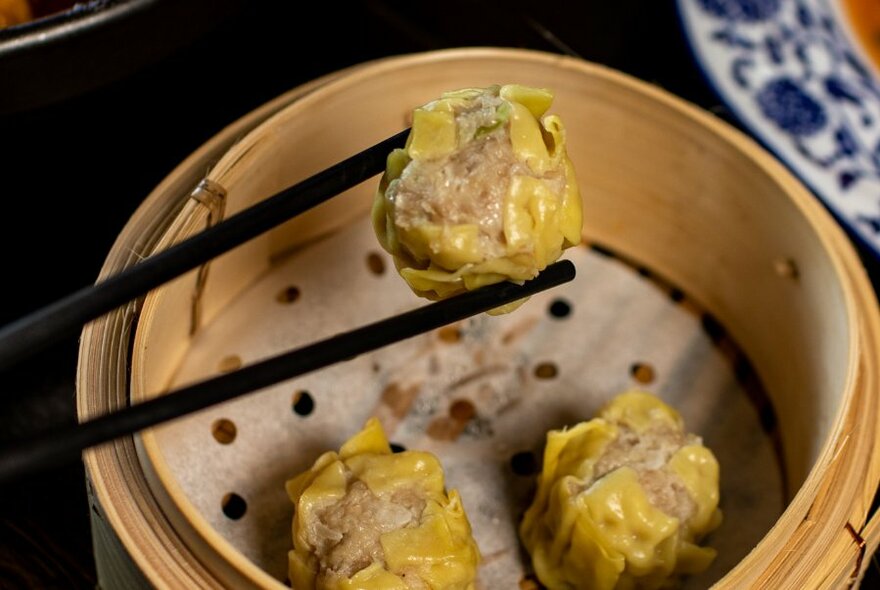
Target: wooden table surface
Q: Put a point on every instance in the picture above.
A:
(74, 172)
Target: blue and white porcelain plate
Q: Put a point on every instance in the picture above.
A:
(794, 74)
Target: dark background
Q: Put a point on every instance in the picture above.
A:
(74, 170)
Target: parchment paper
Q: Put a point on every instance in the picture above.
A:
(617, 318)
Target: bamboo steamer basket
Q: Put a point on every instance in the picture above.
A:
(670, 190)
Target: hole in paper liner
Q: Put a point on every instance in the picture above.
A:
(234, 506)
(642, 372)
(288, 294)
(449, 334)
(559, 308)
(375, 263)
(546, 370)
(524, 463)
(224, 431)
(303, 403)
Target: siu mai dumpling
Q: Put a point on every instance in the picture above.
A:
(483, 192)
(369, 519)
(623, 501)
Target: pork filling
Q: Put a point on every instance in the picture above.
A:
(468, 186)
(346, 534)
(647, 453)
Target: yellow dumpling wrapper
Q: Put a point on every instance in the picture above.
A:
(639, 410)
(698, 469)
(604, 533)
(432, 136)
(437, 546)
(435, 549)
(483, 192)
(373, 577)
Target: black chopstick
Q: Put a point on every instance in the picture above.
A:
(45, 326)
(53, 448)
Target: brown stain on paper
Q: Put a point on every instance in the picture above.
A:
(394, 404)
(449, 428)
(519, 330)
(399, 399)
(476, 375)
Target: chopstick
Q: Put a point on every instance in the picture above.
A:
(30, 334)
(53, 448)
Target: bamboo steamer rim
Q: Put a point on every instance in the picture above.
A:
(109, 468)
(863, 323)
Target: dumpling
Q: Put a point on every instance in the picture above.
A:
(623, 500)
(368, 519)
(483, 192)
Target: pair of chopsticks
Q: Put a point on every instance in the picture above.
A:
(36, 331)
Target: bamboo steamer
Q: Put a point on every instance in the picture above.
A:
(670, 190)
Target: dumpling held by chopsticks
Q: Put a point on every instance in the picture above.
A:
(483, 192)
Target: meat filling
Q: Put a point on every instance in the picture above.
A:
(346, 534)
(469, 186)
(647, 453)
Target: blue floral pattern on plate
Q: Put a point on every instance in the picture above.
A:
(794, 75)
